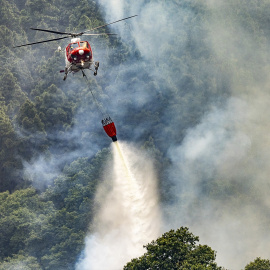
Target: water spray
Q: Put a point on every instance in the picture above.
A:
(128, 215)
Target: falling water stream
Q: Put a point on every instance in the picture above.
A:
(128, 215)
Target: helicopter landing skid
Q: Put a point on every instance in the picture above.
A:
(83, 74)
(96, 68)
(66, 73)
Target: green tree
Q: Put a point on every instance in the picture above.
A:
(258, 264)
(22, 217)
(29, 119)
(11, 92)
(20, 262)
(55, 109)
(175, 250)
(73, 196)
(9, 161)
(8, 14)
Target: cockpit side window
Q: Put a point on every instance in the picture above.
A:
(73, 46)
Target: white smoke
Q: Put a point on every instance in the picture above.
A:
(220, 170)
(220, 173)
(128, 215)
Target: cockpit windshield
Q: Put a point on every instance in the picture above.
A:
(84, 44)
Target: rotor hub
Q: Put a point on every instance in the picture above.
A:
(73, 40)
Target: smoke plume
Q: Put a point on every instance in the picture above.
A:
(210, 61)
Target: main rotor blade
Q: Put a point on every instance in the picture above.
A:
(100, 34)
(51, 31)
(48, 40)
(108, 24)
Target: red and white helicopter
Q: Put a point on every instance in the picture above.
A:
(79, 55)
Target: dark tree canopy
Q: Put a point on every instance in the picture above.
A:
(175, 250)
(258, 264)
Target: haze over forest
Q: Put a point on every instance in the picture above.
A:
(187, 85)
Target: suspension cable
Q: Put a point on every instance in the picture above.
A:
(101, 110)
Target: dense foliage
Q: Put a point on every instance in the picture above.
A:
(45, 214)
(51, 227)
(43, 230)
(175, 250)
(258, 263)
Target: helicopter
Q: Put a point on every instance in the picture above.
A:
(78, 54)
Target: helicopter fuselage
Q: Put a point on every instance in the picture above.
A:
(79, 56)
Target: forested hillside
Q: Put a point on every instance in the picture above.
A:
(41, 227)
(186, 81)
